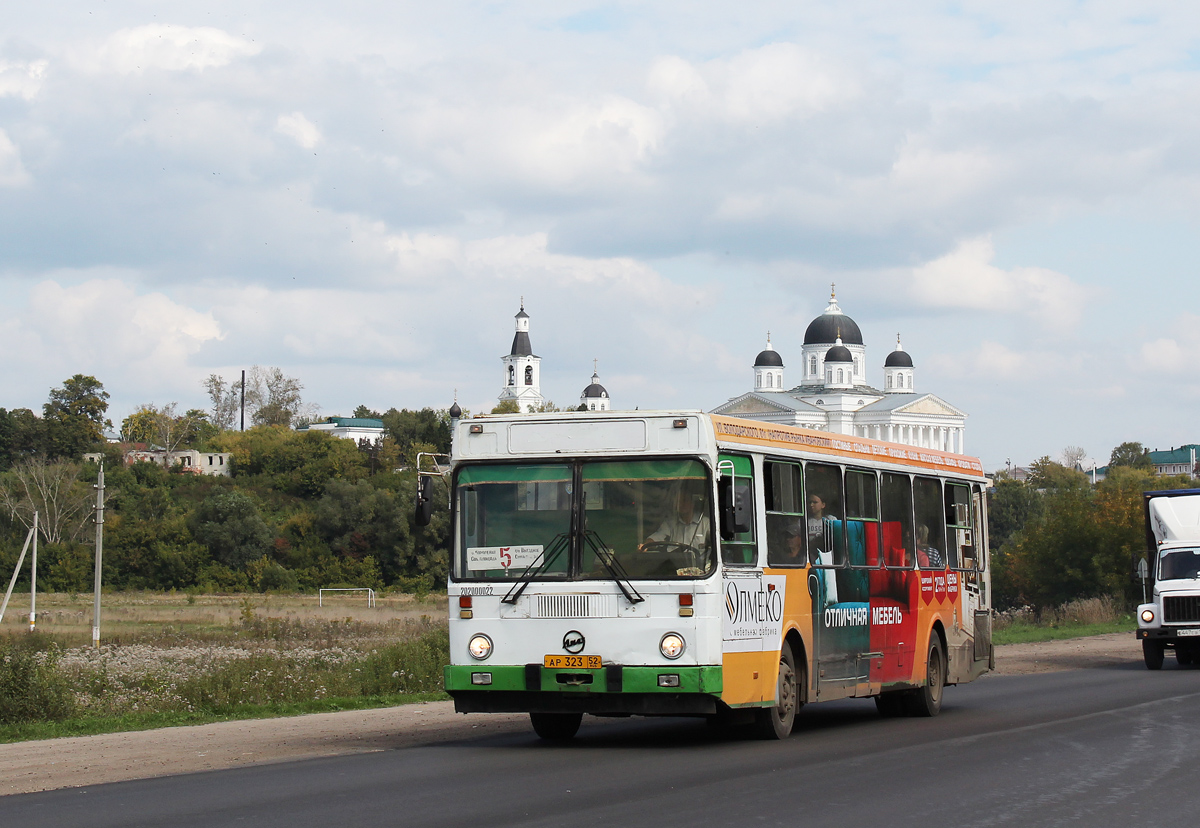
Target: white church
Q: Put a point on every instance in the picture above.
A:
(522, 375)
(833, 394)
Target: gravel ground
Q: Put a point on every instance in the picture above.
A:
(90, 760)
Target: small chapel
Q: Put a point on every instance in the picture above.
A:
(834, 395)
(522, 375)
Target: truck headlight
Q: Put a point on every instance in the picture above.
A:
(480, 647)
(1147, 616)
(671, 645)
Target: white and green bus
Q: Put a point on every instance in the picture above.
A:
(686, 564)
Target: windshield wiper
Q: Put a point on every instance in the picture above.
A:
(560, 542)
(606, 557)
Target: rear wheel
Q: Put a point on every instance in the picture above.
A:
(1152, 654)
(926, 701)
(556, 727)
(1184, 657)
(776, 722)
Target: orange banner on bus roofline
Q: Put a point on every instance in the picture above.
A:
(841, 445)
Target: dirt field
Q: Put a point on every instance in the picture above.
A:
(91, 760)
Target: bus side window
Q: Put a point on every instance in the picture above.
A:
(862, 519)
(741, 550)
(897, 510)
(961, 540)
(931, 523)
(786, 527)
(825, 516)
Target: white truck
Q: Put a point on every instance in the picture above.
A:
(1172, 618)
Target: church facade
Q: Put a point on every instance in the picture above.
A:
(833, 394)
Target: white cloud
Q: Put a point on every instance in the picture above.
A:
(12, 171)
(1178, 353)
(21, 79)
(301, 130)
(173, 48)
(965, 278)
(769, 83)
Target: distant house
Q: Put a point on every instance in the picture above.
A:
(1180, 460)
(349, 428)
(191, 460)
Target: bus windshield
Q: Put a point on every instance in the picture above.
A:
(638, 519)
(1179, 563)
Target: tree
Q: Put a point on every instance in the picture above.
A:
(226, 401)
(1131, 454)
(545, 407)
(1072, 456)
(162, 427)
(74, 416)
(424, 426)
(507, 407)
(1050, 476)
(52, 489)
(364, 413)
(274, 396)
(228, 523)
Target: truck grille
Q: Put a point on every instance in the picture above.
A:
(1181, 609)
(575, 606)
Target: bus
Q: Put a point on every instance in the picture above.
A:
(687, 564)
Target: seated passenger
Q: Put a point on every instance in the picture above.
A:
(928, 557)
(687, 525)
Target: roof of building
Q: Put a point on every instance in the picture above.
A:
(521, 346)
(1174, 456)
(595, 390)
(827, 327)
(768, 357)
(839, 353)
(347, 422)
(898, 359)
(455, 411)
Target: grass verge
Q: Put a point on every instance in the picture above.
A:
(1019, 633)
(95, 725)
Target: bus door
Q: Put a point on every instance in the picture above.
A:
(966, 527)
(841, 614)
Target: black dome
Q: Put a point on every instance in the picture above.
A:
(595, 390)
(455, 411)
(839, 353)
(898, 359)
(829, 326)
(769, 358)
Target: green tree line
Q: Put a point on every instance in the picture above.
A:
(1055, 537)
(301, 509)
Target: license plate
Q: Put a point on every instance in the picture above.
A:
(572, 662)
(1194, 631)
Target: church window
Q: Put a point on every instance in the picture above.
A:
(812, 365)
(841, 376)
(529, 375)
(889, 382)
(512, 375)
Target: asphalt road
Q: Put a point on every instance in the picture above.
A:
(1104, 747)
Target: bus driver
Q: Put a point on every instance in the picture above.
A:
(687, 525)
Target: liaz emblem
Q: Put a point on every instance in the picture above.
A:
(573, 642)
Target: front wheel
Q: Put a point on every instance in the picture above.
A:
(1152, 654)
(776, 722)
(556, 727)
(1184, 657)
(926, 701)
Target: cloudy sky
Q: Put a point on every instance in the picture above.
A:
(360, 193)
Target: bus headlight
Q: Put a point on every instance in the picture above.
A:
(1147, 616)
(671, 645)
(480, 647)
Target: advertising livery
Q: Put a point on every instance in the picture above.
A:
(679, 563)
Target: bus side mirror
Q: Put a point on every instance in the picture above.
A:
(424, 500)
(735, 508)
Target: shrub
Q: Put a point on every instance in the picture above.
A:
(31, 688)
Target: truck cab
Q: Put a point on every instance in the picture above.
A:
(1171, 619)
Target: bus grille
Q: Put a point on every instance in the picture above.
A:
(1181, 609)
(575, 606)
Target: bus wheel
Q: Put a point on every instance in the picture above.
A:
(1184, 657)
(926, 701)
(556, 727)
(890, 705)
(776, 722)
(1152, 654)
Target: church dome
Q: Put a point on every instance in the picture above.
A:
(830, 325)
(839, 353)
(898, 359)
(768, 358)
(455, 412)
(595, 390)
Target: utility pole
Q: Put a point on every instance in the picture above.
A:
(243, 400)
(99, 555)
(33, 578)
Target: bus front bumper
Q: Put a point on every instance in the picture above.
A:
(613, 689)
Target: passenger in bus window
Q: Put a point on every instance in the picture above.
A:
(794, 536)
(687, 525)
(820, 538)
(928, 556)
